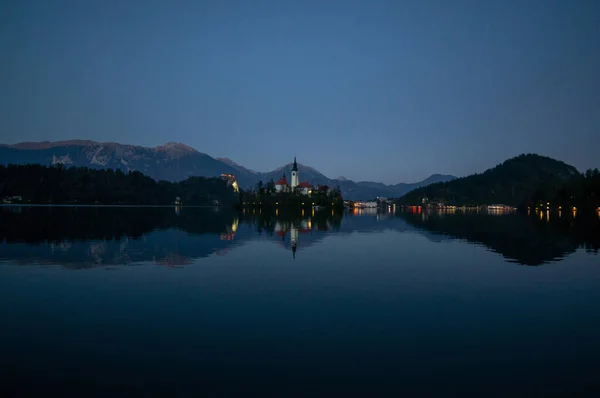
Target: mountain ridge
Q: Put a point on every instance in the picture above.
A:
(513, 182)
(175, 161)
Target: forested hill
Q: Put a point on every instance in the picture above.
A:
(82, 185)
(516, 181)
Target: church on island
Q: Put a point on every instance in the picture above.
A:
(282, 185)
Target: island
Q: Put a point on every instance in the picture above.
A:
(282, 194)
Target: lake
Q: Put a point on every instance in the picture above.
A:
(109, 301)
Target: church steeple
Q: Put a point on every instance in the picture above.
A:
(295, 175)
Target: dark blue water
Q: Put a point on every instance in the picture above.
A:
(147, 302)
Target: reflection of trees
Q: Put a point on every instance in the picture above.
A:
(55, 224)
(526, 240)
(85, 237)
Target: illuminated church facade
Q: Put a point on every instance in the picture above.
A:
(282, 185)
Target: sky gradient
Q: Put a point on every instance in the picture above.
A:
(388, 91)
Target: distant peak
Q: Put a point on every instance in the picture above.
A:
(342, 178)
(50, 144)
(172, 144)
(231, 163)
(300, 165)
(228, 161)
(175, 146)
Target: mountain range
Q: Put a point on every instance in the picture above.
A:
(175, 162)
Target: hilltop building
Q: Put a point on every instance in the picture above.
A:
(231, 181)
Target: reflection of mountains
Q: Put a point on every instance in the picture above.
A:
(84, 237)
(519, 238)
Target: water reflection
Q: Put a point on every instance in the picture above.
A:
(87, 237)
(527, 240)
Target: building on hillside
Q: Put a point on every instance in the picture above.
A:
(231, 181)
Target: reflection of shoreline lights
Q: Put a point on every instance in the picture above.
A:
(230, 235)
(496, 210)
(363, 211)
(227, 236)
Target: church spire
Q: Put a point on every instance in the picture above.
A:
(295, 175)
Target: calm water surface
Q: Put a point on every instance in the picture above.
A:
(208, 302)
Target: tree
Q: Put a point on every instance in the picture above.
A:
(41, 184)
(270, 186)
(259, 188)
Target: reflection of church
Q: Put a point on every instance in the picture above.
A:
(295, 229)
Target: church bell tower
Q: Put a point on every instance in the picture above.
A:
(295, 175)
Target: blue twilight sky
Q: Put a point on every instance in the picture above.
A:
(372, 90)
